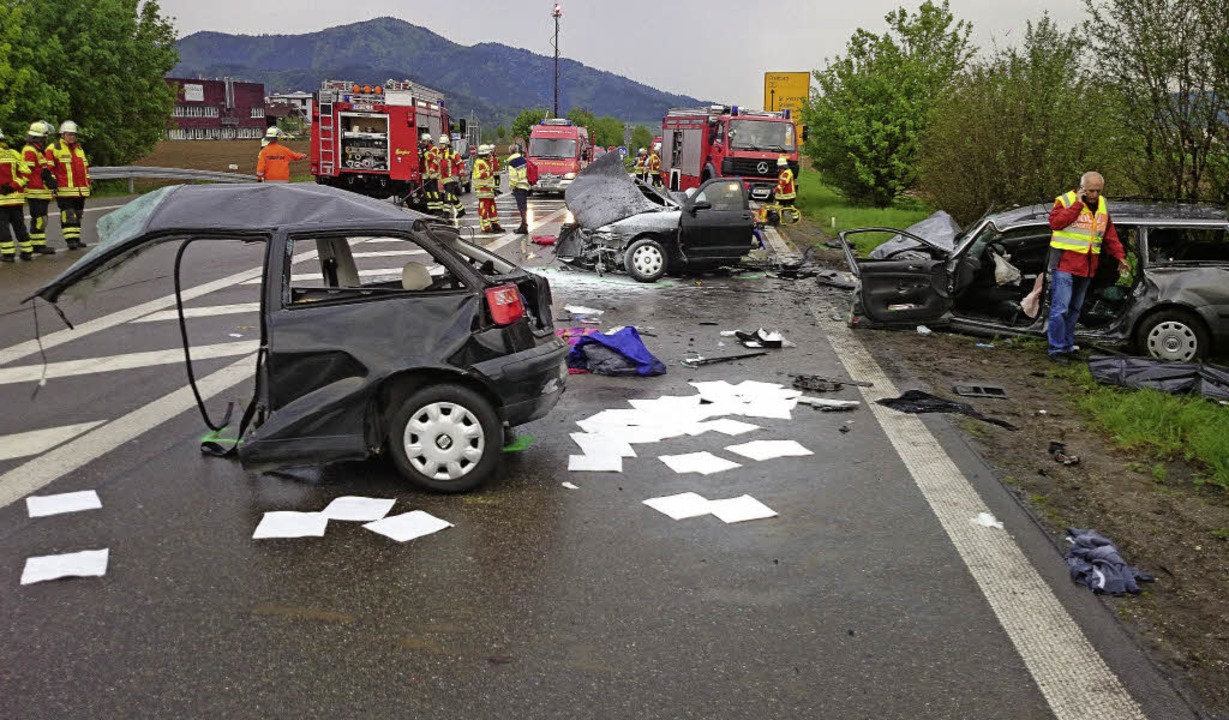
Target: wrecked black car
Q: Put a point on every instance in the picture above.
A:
(429, 363)
(1174, 305)
(620, 223)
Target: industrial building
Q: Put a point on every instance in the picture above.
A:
(225, 109)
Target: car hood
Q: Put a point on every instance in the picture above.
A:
(604, 193)
(217, 210)
(939, 229)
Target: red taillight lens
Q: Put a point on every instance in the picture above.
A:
(505, 304)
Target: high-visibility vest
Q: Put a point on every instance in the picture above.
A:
(1085, 234)
(654, 163)
(71, 169)
(518, 172)
(14, 173)
(38, 162)
(641, 166)
(785, 185)
(432, 156)
(484, 179)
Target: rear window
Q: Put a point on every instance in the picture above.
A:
(1170, 245)
(349, 268)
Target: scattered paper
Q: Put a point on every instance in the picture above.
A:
(987, 520)
(606, 462)
(769, 449)
(89, 563)
(726, 426)
(44, 505)
(740, 509)
(358, 509)
(290, 524)
(581, 310)
(235, 335)
(704, 463)
(600, 444)
(681, 506)
(826, 404)
(405, 527)
(570, 486)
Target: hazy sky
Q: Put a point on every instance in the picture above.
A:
(711, 49)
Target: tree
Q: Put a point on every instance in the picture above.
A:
(582, 118)
(525, 121)
(1168, 63)
(607, 131)
(100, 63)
(1004, 133)
(872, 104)
(642, 137)
(501, 132)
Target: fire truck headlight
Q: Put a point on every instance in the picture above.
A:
(570, 176)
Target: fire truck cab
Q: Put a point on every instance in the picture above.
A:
(560, 150)
(366, 139)
(699, 144)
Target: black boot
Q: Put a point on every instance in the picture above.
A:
(7, 258)
(522, 230)
(44, 250)
(27, 256)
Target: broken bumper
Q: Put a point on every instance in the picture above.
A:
(529, 383)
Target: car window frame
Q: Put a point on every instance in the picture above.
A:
(1145, 251)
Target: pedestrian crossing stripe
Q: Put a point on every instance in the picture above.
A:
(199, 312)
(35, 442)
(129, 361)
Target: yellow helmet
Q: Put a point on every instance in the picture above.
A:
(782, 161)
(37, 129)
(69, 127)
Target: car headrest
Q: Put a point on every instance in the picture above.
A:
(415, 276)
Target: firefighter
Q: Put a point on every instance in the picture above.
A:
(484, 186)
(786, 190)
(14, 175)
(496, 169)
(430, 174)
(518, 180)
(654, 166)
(71, 170)
(273, 165)
(641, 167)
(39, 190)
(455, 171)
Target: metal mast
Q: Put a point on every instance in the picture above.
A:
(557, 13)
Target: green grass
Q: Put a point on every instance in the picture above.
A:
(822, 205)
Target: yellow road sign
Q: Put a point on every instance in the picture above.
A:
(786, 90)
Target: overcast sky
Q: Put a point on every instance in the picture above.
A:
(711, 49)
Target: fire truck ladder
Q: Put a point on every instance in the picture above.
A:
(327, 139)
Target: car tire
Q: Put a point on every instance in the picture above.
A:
(645, 260)
(1177, 335)
(445, 438)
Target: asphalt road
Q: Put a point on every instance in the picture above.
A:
(860, 600)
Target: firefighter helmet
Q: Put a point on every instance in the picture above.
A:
(273, 133)
(782, 161)
(642, 151)
(443, 140)
(69, 127)
(484, 149)
(426, 137)
(37, 130)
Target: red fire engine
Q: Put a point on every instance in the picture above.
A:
(560, 150)
(366, 139)
(718, 141)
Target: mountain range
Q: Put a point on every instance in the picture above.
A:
(495, 81)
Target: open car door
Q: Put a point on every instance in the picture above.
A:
(717, 226)
(900, 290)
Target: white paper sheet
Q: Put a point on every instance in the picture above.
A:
(599, 444)
(88, 563)
(290, 524)
(606, 462)
(726, 426)
(769, 449)
(352, 508)
(681, 506)
(582, 310)
(414, 524)
(987, 520)
(704, 463)
(770, 408)
(44, 505)
(570, 486)
(740, 509)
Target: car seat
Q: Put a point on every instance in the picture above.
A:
(415, 276)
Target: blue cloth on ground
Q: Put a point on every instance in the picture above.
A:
(630, 356)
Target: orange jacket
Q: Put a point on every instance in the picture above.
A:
(71, 169)
(274, 162)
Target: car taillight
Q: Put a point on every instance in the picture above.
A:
(505, 303)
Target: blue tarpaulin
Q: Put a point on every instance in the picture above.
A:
(620, 353)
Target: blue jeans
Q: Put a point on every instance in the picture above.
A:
(1066, 299)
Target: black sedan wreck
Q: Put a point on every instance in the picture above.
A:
(1174, 305)
(430, 365)
(625, 224)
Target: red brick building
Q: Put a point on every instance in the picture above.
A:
(223, 109)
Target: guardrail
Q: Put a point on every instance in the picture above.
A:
(131, 172)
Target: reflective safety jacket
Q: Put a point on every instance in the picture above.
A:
(654, 166)
(458, 166)
(484, 178)
(35, 157)
(642, 164)
(71, 169)
(518, 172)
(274, 162)
(1080, 233)
(14, 173)
(431, 170)
(786, 188)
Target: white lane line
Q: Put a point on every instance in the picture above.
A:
(199, 312)
(38, 441)
(48, 467)
(129, 361)
(1072, 676)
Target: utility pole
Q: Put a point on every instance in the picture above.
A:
(557, 13)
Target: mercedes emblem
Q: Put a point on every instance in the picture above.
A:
(762, 168)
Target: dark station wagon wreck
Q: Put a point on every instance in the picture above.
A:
(430, 365)
(1174, 305)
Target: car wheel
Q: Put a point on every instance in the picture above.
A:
(445, 438)
(645, 260)
(1175, 335)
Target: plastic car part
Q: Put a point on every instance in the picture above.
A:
(980, 391)
(445, 438)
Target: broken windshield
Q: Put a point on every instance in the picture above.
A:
(558, 148)
(762, 135)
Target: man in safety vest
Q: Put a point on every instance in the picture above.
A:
(787, 189)
(71, 171)
(518, 179)
(14, 175)
(641, 168)
(654, 166)
(484, 187)
(1081, 225)
(273, 165)
(446, 164)
(430, 173)
(456, 169)
(41, 187)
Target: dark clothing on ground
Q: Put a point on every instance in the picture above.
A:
(1094, 561)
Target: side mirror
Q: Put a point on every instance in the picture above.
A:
(702, 205)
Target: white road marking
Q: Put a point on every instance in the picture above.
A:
(38, 441)
(1072, 676)
(129, 361)
(199, 312)
(48, 467)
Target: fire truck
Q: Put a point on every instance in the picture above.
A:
(365, 138)
(719, 141)
(560, 150)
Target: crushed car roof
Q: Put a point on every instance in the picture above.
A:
(604, 193)
(1134, 210)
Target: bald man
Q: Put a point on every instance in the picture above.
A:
(1082, 229)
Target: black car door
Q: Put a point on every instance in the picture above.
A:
(907, 289)
(717, 224)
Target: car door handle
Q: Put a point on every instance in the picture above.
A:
(746, 216)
